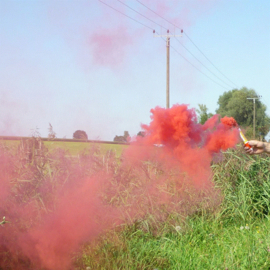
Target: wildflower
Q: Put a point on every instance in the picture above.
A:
(246, 227)
(178, 228)
(241, 228)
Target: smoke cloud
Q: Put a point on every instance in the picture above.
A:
(109, 46)
(55, 202)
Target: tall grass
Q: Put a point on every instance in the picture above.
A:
(227, 228)
(245, 181)
(236, 235)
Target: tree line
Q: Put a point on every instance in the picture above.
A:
(235, 103)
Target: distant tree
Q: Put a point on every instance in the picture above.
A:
(235, 103)
(52, 134)
(202, 113)
(141, 133)
(80, 134)
(122, 138)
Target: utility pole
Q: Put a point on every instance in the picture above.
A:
(254, 121)
(168, 37)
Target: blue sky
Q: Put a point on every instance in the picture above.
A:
(82, 65)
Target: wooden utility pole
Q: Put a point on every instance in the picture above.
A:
(254, 114)
(168, 74)
(168, 37)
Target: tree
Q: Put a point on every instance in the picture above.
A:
(235, 103)
(80, 134)
(141, 133)
(202, 113)
(122, 138)
(52, 134)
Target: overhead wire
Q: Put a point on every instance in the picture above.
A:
(198, 69)
(162, 38)
(202, 63)
(126, 15)
(209, 60)
(141, 14)
(180, 44)
(189, 40)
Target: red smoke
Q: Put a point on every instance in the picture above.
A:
(229, 121)
(53, 212)
(191, 144)
(80, 215)
(109, 46)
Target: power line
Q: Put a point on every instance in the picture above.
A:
(126, 15)
(209, 59)
(157, 14)
(189, 40)
(196, 67)
(162, 38)
(202, 63)
(168, 42)
(141, 14)
(199, 69)
(176, 39)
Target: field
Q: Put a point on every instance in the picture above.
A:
(73, 148)
(98, 205)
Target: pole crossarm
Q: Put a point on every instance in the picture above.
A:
(167, 35)
(255, 98)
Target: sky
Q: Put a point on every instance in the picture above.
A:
(96, 65)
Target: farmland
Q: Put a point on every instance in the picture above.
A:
(74, 147)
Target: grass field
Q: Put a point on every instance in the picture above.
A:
(74, 148)
(198, 243)
(228, 228)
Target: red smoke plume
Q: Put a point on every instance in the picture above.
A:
(191, 144)
(80, 215)
(110, 46)
(229, 121)
(53, 212)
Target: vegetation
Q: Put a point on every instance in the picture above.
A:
(73, 148)
(235, 103)
(228, 228)
(122, 138)
(203, 114)
(52, 134)
(141, 133)
(80, 134)
(234, 236)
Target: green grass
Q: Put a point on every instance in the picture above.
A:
(234, 236)
(199, 244)
(74, 148)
